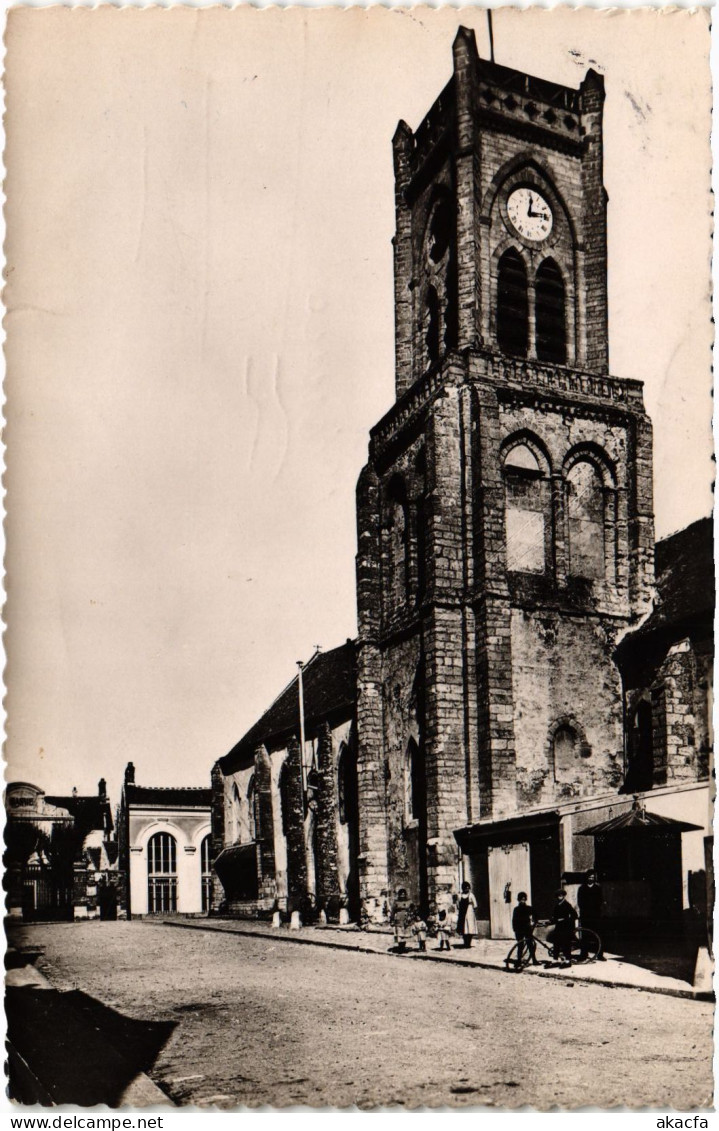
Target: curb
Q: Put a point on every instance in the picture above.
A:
(418, 956)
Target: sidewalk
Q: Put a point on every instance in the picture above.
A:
(486, 954)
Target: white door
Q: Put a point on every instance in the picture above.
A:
(508, 874)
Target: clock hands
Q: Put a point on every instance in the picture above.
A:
(535, 215)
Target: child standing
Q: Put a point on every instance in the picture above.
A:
(444, 928)
(419, 929)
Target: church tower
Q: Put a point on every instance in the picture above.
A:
(505, 528)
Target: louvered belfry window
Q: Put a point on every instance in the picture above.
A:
(512, 304)
(550, 314)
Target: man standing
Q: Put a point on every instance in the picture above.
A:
(589, 902)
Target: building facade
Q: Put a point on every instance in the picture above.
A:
(60, 855)
(285, 819)
(519, 676)
(164, 849)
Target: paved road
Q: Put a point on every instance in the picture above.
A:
(249, 1021)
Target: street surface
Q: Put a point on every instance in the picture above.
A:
(253, 1021)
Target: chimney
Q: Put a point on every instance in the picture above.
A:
(102, 789)
(130, 774)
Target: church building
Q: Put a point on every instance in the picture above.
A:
(505, 519)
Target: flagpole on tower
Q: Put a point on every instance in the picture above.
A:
(491, 34)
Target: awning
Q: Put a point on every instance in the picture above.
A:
(509, 827)
(639, 821)
(235, 860)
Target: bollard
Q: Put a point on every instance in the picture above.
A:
(295, 921)
(703, 974)
(344, 916)
(275, 918)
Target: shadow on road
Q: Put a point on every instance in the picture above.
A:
(65, 1048)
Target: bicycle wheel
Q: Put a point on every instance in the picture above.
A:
(586, 945)
(518, 957)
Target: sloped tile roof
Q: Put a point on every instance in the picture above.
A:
(329, 684)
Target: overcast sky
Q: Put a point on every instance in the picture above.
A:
(200, 337)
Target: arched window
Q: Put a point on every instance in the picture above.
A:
(285, 799)
(640, 752)
(421, 523)
(512, 304)
(551, 332)
(347, 785)
(414, 783)
(440, 228)
(527, 501)
(397, 589)
(161, 873)
(432, 325)
(585, 514)
(206, 869)
(252, 808)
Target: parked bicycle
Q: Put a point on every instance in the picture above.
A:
(584, 941)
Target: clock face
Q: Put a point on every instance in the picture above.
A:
(530, 214)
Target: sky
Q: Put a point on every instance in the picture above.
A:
(200, 336)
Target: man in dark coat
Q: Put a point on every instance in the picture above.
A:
(523, 923)
(589, 902)
(564, 917)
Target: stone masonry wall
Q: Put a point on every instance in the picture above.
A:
(555, 660)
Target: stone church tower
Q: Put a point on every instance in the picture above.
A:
(505, 513)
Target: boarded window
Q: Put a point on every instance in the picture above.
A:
(527, 499)
(585, 509)
(551, 330)
(512, 304)
(566, 754)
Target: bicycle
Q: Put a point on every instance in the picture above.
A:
(583, 939)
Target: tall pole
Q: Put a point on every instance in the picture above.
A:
(302, 725)
(491, 34)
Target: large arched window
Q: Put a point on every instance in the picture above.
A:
(512, 304)
(551, 330)
(527, 514)
(161, 873)
(585, 514)
(347, 785)
(206, 869)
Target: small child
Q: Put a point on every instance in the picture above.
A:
(419, 929)
(523, 924)
(444, 928)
